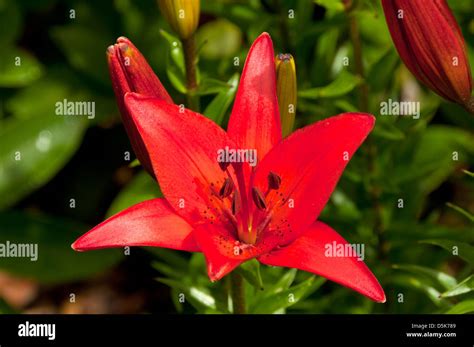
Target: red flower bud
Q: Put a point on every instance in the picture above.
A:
(431, 45)
(130, 72)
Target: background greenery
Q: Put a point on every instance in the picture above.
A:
(410, 249)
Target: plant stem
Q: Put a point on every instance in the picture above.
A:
(359, 63)
(190, 59)
(283, 26)
(375, 191)
(237, 291)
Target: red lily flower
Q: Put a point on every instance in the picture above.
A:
(231, 211)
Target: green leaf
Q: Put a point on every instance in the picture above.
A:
(84, 48)
(171, 257)
(342, 85)
(433, 160)
(469, 173)
(39, 98)
(175, 68)
(217, 109)
(465, 286)
(56, 261)
(289, 297)
(219, 39)
(198, 297)
(445, 280)
(134, 163)
(462, 211)
(212, 86)
(32, 151)
(141, 188)
(461, 249)
(345, 206)
(401, 231)
(382, 72)
(250, 270)
(18, 68)
(462, 308)
(420, 284)
(283, 283)
(333, 6)
(169, 270)
(389, 131)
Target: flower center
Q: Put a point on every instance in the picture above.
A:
(249, 212)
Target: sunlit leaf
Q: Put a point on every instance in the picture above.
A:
(463, 287)
(462, 211)
(198, 297)
(217, 109)
(462, 308)
(461, 249)
(342, 85)
(250, 270)
(442, 278)
(33, 150)
(18, 68)
(288, 297)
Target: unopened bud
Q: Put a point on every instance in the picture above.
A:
(286, 91)
(182, 16)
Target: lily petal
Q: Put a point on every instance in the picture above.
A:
(308, 253)
(310, 163)
(183, 147)
(218, 244)
(255, 119)
(150, 223)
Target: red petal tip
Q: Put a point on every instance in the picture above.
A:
(76, 245)
(123, 39)
(110, 51)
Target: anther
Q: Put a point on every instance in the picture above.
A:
(224, 165)
(258, 199)
(227, 188)
(274, 181)
(236, 203)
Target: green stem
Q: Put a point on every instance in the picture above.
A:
(190, 59)
(283, 27)
(359, 63)
(237, 291)
(375, 191)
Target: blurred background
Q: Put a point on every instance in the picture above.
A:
(405, 195)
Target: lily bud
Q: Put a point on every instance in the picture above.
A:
(286, 91)
(182, 16)
(130, 72)
(431, 45)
